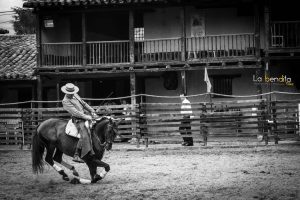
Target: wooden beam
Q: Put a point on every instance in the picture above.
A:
(133, 87)
(183, 32)
(83, 30)
(39, 90)
(183, 83)
(57, 91)
(131, 35)
(38, 41)
(133, 102)
(257, 30)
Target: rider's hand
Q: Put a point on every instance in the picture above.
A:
(89, 118)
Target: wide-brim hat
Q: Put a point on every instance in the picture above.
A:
(69, 88)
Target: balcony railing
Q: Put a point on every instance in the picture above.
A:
(158, 50)
(107, 52)
(62, 54)
(214, 46)
(147, 51)
(285, 34)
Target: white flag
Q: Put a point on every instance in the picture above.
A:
(206, 79)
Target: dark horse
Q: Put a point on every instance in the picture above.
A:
(51, 135)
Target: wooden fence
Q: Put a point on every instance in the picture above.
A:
(233, 119)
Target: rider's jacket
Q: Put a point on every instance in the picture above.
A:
(77, 107)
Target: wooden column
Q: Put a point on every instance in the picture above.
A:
(183, 32)
(83, 30)
(267, 29)
(183, 83)
(38, 41)
(133, 102)
(257, 30)
(39, 90)
(57, 91)
(131, 36)
(133, 87)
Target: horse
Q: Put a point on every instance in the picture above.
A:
(50, 135)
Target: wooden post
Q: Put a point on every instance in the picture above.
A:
(183, 83)
(257, 30)
(57, 92)
(133, 102)
(131, 36)
(38, 41)
(274, 119)
(183, 33)
(39, 96)
(83, 30)
(267, 29)
(39, 90)
(204, 128)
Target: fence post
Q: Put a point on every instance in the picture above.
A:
(274, 116)
(266, 124)
(203, 128)
(143, 121)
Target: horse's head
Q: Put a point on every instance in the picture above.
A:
(106, 129)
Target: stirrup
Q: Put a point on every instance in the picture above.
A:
(76, 158)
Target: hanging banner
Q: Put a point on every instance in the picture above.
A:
(197, 25)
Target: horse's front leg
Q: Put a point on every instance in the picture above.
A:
(93, 171)
(104, 165)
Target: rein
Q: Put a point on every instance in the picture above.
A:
(97, 138)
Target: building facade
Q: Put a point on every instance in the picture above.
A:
(161, 47)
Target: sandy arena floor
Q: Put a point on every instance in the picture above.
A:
(165, 172)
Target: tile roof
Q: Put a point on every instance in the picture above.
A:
(17, 57)
(51, 3)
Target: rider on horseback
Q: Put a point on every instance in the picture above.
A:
(79, 109)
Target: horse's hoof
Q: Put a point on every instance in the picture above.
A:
(75, 181)
(96, 178)
(65, 178)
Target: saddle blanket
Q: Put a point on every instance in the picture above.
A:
(71, 129)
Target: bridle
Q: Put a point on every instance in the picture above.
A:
(109, 126)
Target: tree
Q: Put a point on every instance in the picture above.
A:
(24, 21)
(3, 31)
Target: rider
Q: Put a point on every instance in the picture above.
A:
(80, 112)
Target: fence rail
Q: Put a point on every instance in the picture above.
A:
(235, 119)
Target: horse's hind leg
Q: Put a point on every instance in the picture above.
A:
(58, 158)
(49, 159)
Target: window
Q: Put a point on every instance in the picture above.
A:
(139, 34)
(222, 84)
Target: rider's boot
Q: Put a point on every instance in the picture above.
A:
(76, 157)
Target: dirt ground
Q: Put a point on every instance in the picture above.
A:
(218, 172)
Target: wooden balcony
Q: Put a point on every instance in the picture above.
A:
(220, 46)
(179, 50)
(285, 34)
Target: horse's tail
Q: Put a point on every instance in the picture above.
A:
(37, 152)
